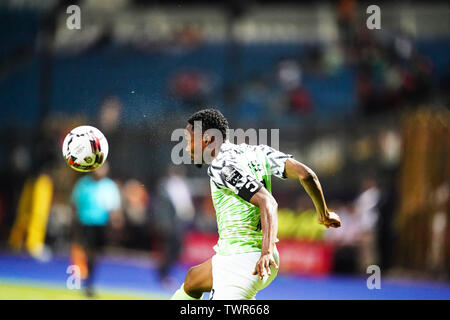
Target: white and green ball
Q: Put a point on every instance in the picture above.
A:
(85, 149)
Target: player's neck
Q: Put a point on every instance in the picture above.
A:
(218, 149)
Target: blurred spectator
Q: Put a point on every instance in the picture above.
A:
(368, 99)
(110, 113)
(366, 208)
(187, 36)
(179, 194)
(346, 14)
(59, 226)
(386, 240)
(421, 69)
(33, 208)
(206, 219)
(174, 213)
(96, 198)
(437, 256)
(290, 80)
(32, 215)
(192, 88)
(300, 100)
(109, 121)
(289, 74)
(135, 205)
(347, 240)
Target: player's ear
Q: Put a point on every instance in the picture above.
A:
(207, 139)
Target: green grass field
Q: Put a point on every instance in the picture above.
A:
(10, 290)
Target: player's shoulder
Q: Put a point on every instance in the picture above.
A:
(244, 148)
(265, 149)
(231, 153)
(260, 151)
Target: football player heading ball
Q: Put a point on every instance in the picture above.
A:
(246, 258)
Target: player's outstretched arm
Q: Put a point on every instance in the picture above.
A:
(311, 184)
(268, 208)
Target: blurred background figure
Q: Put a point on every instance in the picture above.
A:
(366, 209)
(109, 117)
(32, 214)
(34, 205)
(136, 203)
(347, 241)
(96, 199)
(174, 214)
(191, 88)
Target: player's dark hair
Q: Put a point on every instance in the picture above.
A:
(211, 119)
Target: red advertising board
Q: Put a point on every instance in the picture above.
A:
(305, 257)
(296, 257)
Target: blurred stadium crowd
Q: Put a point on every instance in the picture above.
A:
(367, 110)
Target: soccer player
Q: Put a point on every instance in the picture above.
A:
(246, 258)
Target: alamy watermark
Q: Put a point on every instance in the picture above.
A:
(374, 20)
(73, 22)
(374, 280)
(179, 155)
(73, 281)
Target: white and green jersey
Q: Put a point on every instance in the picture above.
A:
(237, 173)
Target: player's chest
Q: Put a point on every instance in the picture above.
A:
(255, 167)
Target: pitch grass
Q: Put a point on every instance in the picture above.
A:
(37, 291)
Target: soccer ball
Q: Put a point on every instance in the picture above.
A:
(85, 148)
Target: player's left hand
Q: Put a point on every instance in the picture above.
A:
(263, 265)
(331, 220)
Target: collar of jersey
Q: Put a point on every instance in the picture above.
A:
(226, 145)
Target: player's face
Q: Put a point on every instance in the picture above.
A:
(189, 136)
(194, 144)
